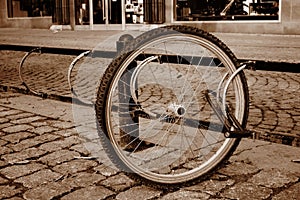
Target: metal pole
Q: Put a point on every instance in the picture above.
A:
(91, 10)
(123, 14)
(72, 14)
(129, 123)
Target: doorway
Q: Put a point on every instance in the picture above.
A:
(90, 12)
(115, 12)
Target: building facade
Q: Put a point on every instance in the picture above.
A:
(239, 16)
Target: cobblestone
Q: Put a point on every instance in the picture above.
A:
(35, 141)
(245, 191)
(80, 149)
(5, 150)
(16, 171)
(183, 194)
(3, 180)
(74, 166)
(292, 193)
(43, 129)
(26, 120)
(16, 138)
(8, 191)
(139, 192)
(106, 170)
(47, 191)
(58, 157)
(234, 169)
(38, 178)
(84, 179)
(92, 192)
(2, 142)
(9, 112)
(18, 116)
(118, 182)
(211, 187)
(273, 179)
(17, 128)
(5, 125)
(26, 154)
(60, 144)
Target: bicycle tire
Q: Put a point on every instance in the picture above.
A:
(173, 114)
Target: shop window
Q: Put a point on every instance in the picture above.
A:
(154, 11)
(134, 10)
(149, 11)
(61, 12)
(29, 8)
(82, 12)
(98, 11)
(207, 10)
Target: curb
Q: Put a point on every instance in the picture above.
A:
(260, 64)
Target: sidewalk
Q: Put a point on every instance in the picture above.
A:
(275, 48)
(44, 155)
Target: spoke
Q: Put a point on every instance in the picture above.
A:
(169, 67)
(185, 81)
(191, 150)
(166, 134)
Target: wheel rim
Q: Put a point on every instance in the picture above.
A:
(209, 146)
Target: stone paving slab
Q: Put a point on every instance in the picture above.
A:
(30, 168)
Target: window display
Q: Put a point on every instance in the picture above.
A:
(101, 12)
(155, 11)
(30, 8)
(205, 10)
(134, 10)
(82, 12)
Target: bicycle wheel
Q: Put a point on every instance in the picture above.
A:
(152, 105)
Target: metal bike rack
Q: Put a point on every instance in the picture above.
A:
(223, 112)
(72, 65)
(133, 80)
(41, 94)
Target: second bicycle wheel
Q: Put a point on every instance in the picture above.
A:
(152, 106)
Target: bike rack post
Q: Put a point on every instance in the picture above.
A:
(129, 122)
(123, 41)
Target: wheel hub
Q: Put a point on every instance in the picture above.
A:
(177, 110)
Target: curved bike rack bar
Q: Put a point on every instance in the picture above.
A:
(72, 65)
(230, 79)
(38, 49)
(226, 116)
(136, 73)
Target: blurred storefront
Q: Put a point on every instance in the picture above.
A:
(97, 14)
(240, 16)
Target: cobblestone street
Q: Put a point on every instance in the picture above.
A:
(48, 151)
(43, 157)
(274, 108)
